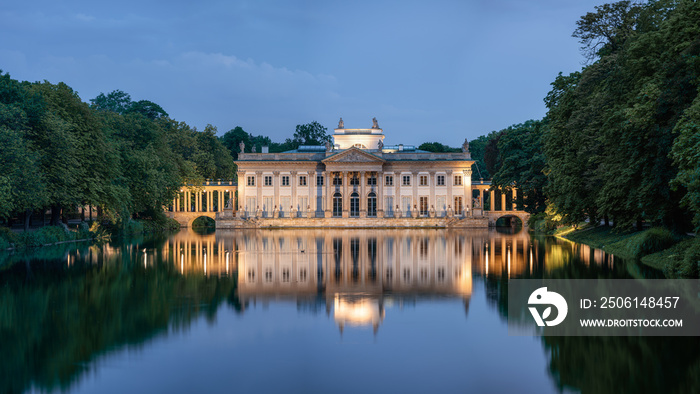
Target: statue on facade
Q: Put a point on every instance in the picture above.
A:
(252, 149)
(398, 211)
(450, 212)
(241, 146)
(328, 146)
(375, 125)
(258, 212)
(414, 212)
(465, 146)
(293, 211)
(341, 124)
(308, 211)
(432, 211)
(380, 145)
(229, 204)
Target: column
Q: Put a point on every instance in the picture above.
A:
(503, 201)
(311, 175)
(515, 195)
(175, 204)
(432, 181)
(329, 194)
(468, 191)
(397, 190)
(450, 183)
(363, 197)
(346, 202)
(276, 184)
(258, 194)
(380, 195)
(492, 200)
(293, 179)
(242, 183)
(414, 198)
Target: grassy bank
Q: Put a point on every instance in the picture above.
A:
(677, 257)
(52, 235)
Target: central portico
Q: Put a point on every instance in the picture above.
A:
(359, 177)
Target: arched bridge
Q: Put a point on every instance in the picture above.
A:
(211, 199)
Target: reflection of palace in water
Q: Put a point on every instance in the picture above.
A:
(354, 272)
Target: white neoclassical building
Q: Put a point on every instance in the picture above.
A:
(358, 176)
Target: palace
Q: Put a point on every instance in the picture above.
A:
(357, 176)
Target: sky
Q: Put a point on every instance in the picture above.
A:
(427, 70)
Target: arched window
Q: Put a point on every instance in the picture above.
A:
(372, 205)
(354, 205)
(337, 205)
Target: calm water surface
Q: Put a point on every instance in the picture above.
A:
(312, 311)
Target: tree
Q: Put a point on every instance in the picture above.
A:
(115, 101)
(522, 164)
(606, 30)
(232, 139)
(310, 134)
(437, 147)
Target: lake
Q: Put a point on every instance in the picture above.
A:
(317, 310)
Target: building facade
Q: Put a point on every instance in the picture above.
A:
(357, 176)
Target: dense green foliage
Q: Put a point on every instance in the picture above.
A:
(613, 126)
(515, 156)
(126, 158)
(621, 139)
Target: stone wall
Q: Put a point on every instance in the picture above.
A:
(227, 222)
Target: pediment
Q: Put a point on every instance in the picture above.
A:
(353, 155)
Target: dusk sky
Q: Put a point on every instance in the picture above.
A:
(428, 71)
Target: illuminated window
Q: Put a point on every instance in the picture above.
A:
(423, 205)
(458, 180)
(423, 180)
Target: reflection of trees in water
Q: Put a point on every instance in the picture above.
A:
(603, 364)
(625, 364)
(55, 320)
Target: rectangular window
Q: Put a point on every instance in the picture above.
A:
(458, 205)
(389, 180)
(441, 180)
(372, 181)
(423, 205)
(251, 180)
(337, 181)
(285, 180)
(354, 180)
(406, 180)
(268, 180)
(406, 205)
(389, 206)
(319, 180)
(302, 180)
(423, 180)
(458, 180)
